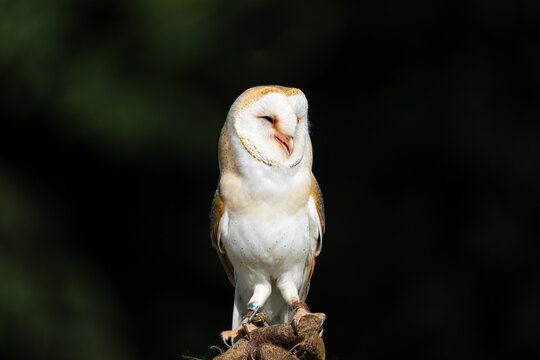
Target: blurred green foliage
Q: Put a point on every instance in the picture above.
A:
(102, 66)
(425, 129)
(50, 304)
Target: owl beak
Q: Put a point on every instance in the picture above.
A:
(286, 142)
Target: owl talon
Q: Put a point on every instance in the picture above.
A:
(225, 342)
(294, 325)
(232, 335)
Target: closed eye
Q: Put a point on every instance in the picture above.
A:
(267, 118)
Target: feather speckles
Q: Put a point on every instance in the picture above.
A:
(256, 93)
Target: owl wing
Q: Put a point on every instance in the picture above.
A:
(218, 225)
(316, 214)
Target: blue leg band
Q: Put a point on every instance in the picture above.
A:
(256, 309)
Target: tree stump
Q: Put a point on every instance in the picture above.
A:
(281, 342)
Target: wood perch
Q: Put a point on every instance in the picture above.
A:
(281, 342)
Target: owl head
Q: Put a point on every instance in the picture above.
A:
(271, 124)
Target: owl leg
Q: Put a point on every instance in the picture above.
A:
(254, 318)
(300, 308)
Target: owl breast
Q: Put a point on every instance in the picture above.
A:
(271, 245)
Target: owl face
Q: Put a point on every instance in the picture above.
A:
(271, 123)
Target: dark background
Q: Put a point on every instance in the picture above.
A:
(425, 127)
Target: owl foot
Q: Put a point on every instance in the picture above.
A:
(231, 334)
(301, 310)
(254, 319)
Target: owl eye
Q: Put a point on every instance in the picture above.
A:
(267, 118)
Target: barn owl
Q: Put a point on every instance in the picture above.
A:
(267, 217)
